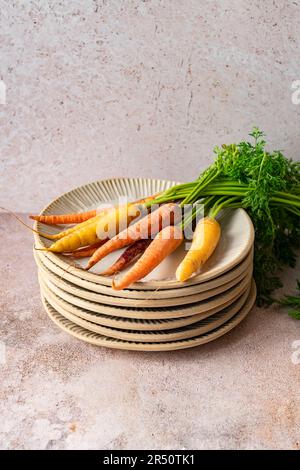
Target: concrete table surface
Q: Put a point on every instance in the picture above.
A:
(99, 89)
(241, 391)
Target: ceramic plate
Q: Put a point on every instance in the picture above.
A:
(138, 303)
(150, 312)
(43, 261)
(201, 327)
(101, 340)
(236, 240)
(131, 323)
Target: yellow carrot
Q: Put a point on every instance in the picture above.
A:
(116, 220)
(96, 230)
(205, 240)
(94, 220)
(165, 242)
(64, 233)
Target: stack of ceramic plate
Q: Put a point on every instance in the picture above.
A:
(157, 313)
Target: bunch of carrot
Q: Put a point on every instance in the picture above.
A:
(88, 238)
(244, 175)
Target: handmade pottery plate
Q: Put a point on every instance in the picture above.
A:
(116, 343)
(189, 331)
(43, 262)
(138, 324)
(148, 301)
(203, 304)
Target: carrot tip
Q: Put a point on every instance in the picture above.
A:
(107, 272)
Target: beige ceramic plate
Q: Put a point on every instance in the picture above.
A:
(236, 240)
(101, 340)
(131, 323)
(137, 303)
(201, 327)
(43, 261)
(150, 313)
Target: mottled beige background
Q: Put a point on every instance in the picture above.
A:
(98, 89)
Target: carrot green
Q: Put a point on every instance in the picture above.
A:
(267, 185)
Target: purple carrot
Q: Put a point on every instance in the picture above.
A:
(131, 254)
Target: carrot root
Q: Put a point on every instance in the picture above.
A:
(131, 254)
(85, 252)
(205, 240)
(98, 229)
(142, 229)
(64, 219)
(165, 242)
(44, 235)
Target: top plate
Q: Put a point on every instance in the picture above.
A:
(236, 239)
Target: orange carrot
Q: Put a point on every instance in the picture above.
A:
(75, 228)
(142, 229)
(78, 254)
(131, 254)
(85, 252)
(89, 233)
(163, 244)
(64, 219)
(93, 220)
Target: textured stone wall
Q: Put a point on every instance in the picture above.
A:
(98, 89)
